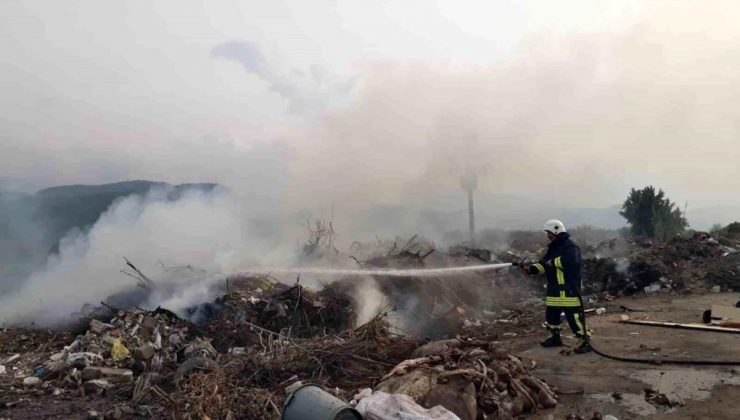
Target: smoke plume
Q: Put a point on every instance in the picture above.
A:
(204, 230)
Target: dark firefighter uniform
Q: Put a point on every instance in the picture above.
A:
(562, 267)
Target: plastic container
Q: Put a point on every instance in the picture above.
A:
(310, 402)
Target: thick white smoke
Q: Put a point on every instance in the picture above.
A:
(370, 300)
(205, 230)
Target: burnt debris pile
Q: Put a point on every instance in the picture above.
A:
(260, 335)
(264, 337)
(691, 263)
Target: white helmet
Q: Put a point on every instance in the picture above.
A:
(554, 226)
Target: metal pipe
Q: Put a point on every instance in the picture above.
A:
(471, 218)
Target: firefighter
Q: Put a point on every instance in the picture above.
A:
(562, 267)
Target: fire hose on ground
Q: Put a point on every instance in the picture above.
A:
(658, 361)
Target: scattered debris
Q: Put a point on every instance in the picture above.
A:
(659, 398)
(31, 381)
(652, 288)
(12, 359)
(626, 309)
(722, 316)
(648, 348)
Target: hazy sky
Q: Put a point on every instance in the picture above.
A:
(376, 101)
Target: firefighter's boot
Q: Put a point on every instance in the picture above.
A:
(583, 347)
(554, 340)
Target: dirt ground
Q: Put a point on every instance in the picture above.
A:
(50, 407)
(708, 392)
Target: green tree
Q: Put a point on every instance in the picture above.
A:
(651, 214)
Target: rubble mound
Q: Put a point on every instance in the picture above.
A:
(726, 273)
(276, 307)
(263, 337)
(695, 262)
(729, 235)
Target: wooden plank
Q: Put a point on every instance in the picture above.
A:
(726, 313)
(698, 327)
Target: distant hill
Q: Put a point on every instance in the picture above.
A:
(31, 225)
(63, 208)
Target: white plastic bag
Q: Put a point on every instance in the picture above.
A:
(383, 406)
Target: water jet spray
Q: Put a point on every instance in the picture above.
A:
(416, 272)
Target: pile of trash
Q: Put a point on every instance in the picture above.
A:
(455, 379)
(263, 301)
(725, 274)
(248, 382)
(115, 356)
(698, 262)
(261, 337)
